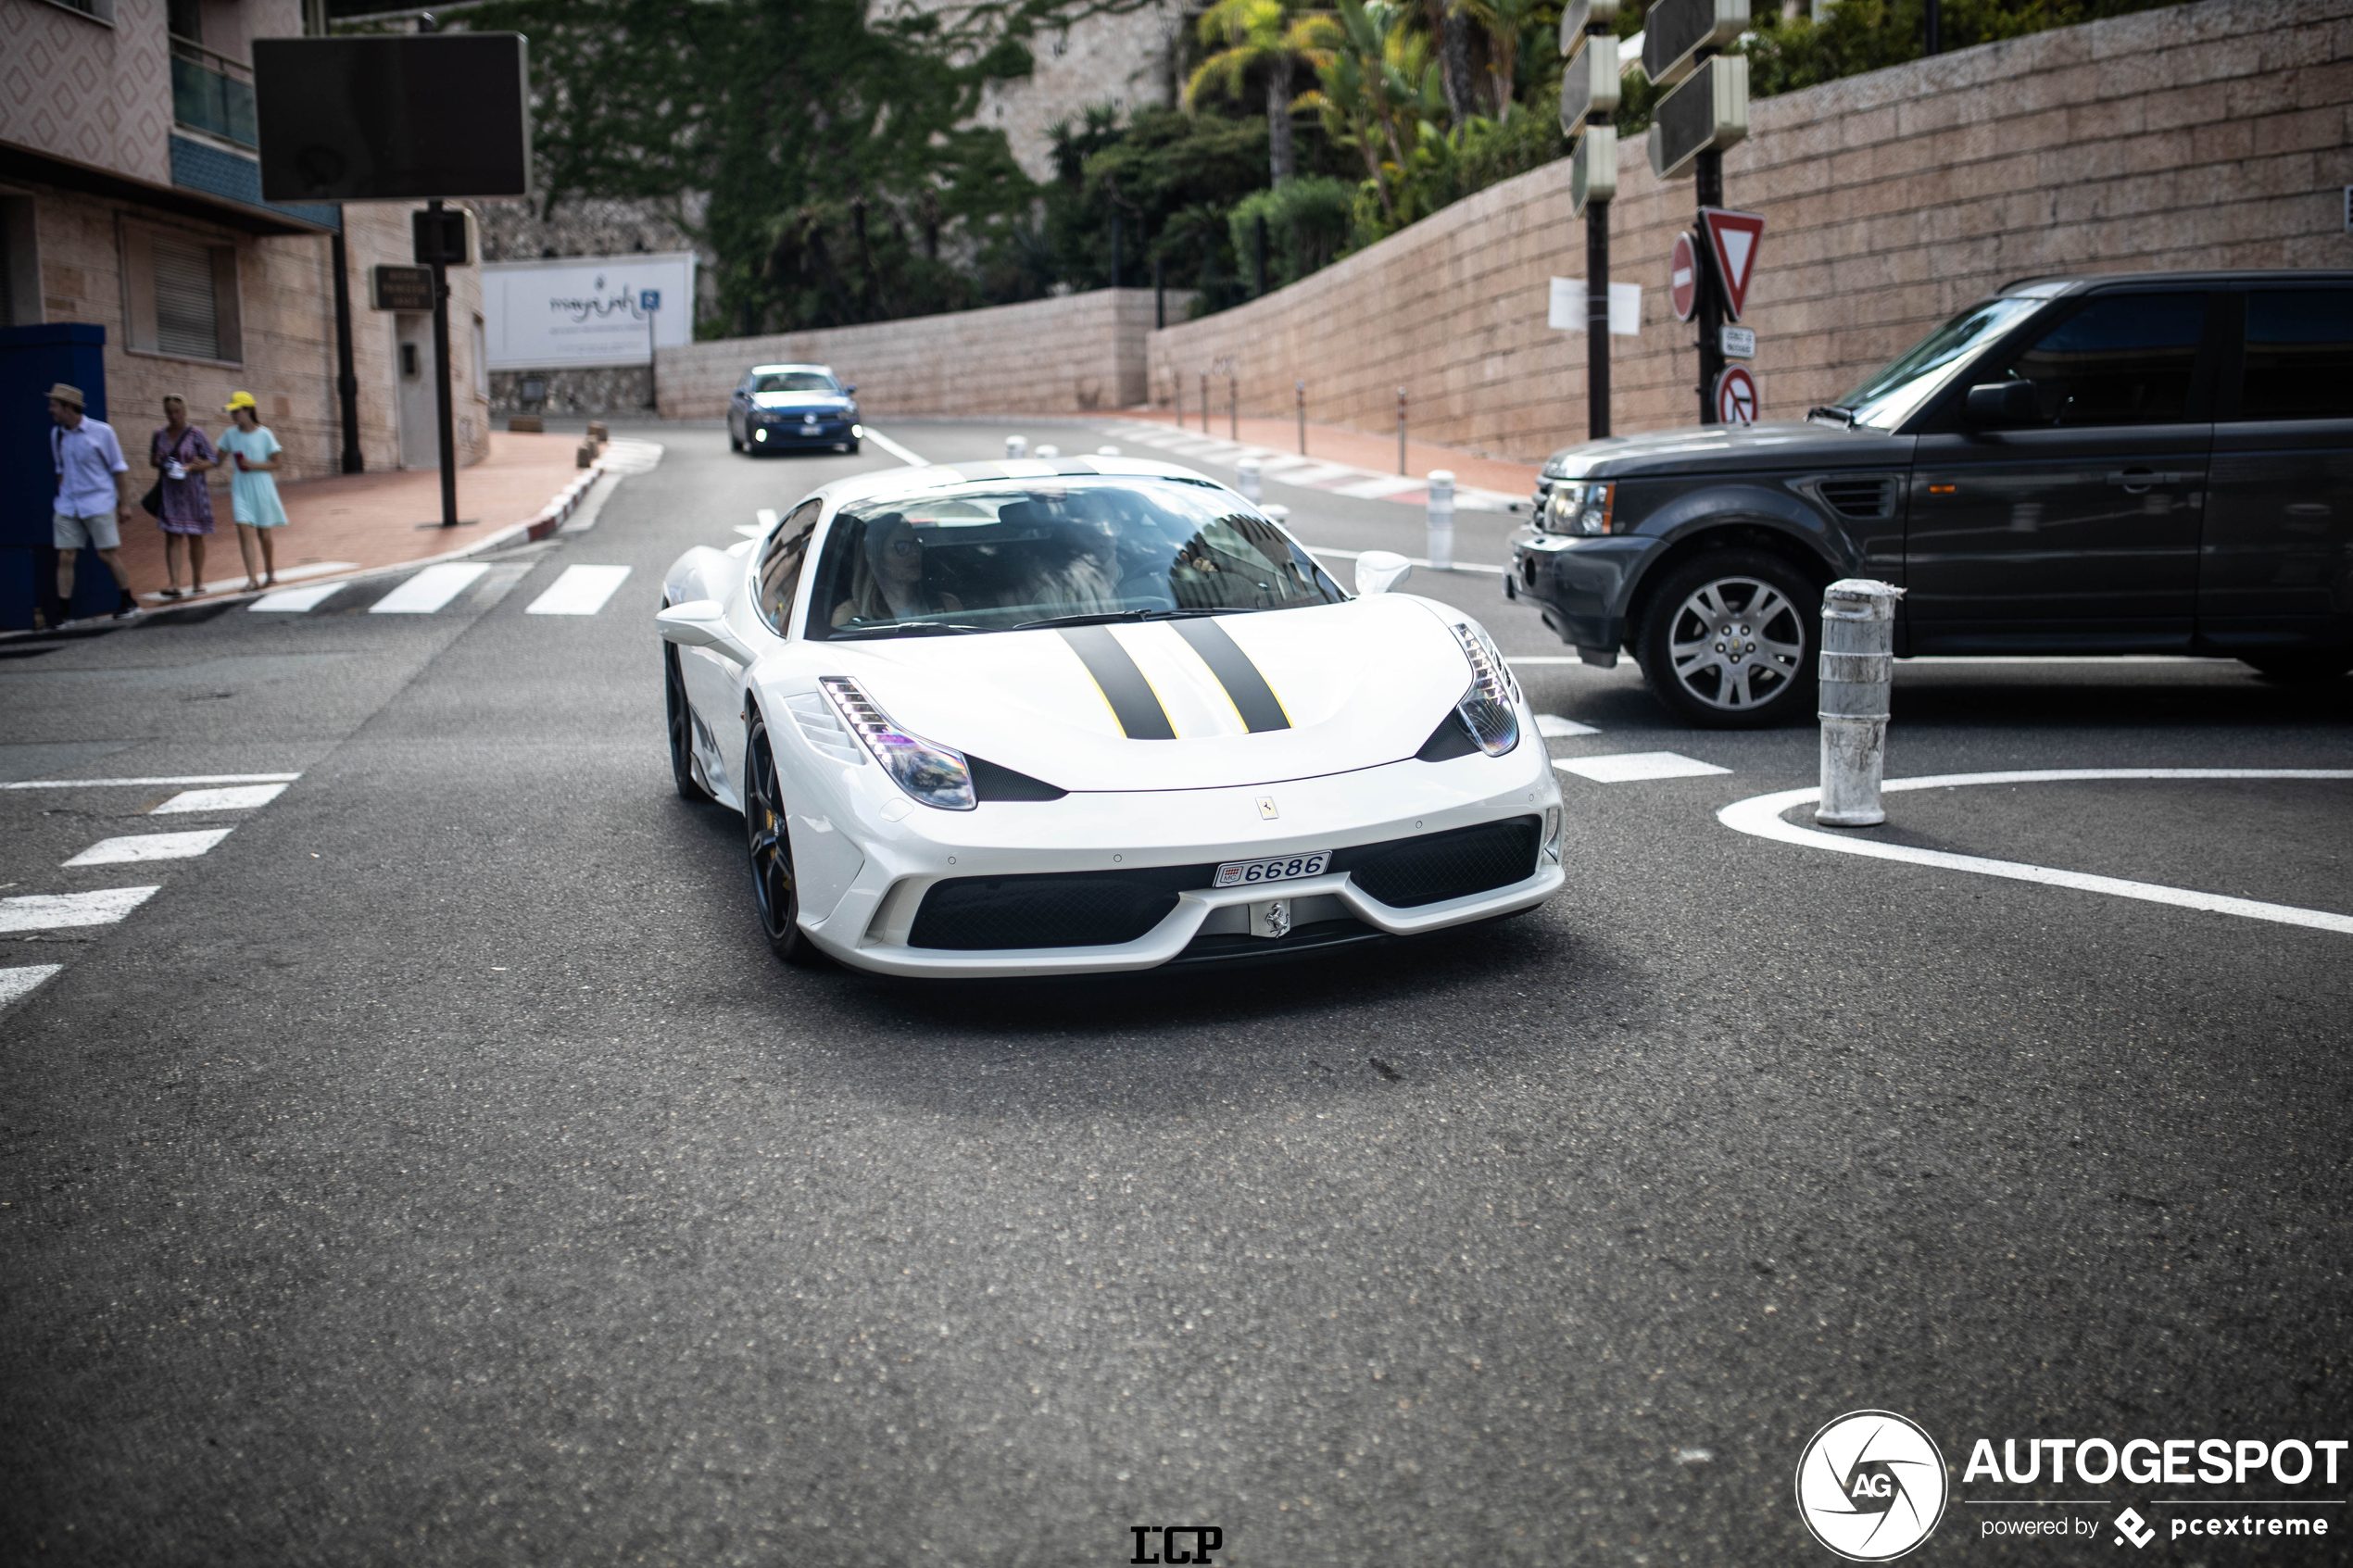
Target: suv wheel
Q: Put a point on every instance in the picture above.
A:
(1729, 638)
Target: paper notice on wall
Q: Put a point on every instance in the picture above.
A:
(1568, 312)
(586, 310)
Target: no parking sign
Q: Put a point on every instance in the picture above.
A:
(1736, 400)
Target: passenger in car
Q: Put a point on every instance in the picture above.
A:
(889, 581)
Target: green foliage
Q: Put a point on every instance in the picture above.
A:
(1308, 220)
(1160, 164)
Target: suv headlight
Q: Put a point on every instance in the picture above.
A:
(935, 775)
(1578, 507)
(1489, 708)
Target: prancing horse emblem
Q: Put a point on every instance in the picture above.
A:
(1267, 808)
(1278, 920)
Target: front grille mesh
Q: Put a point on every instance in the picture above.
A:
(1407, 872)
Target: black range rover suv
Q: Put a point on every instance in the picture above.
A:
(2135, 464)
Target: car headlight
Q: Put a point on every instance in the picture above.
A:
(1489, 708)
(935, 775)
(1578, 507)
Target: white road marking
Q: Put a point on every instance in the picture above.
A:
(285, 574)
(150, 846)
(184, 779)
(896, 450)
(2063, 658)
(751, 529)
(1383, 484)
(1417, 560)
(47, 911)
(582, 590)
(1761, 816)
(294, 601)
(22, 980)
(1547, 659)
(1632, 766)
(762, 521)
(430, 589)
(1551, 726)
(239, 797)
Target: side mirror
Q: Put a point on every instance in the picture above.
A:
(1379, 570)
(702, 623)
(850, 391)
(2003, 403)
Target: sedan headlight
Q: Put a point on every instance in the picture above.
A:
(1578, 507)
(935, 775)
(1490, 708)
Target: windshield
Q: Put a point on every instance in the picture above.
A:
(994, 558)
(794, 380)
(1920, 372)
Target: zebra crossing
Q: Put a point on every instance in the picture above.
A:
(1290, 468)
(578, 590)
(39, 914)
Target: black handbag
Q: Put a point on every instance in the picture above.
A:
(153, 500)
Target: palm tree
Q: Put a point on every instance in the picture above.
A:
(1256, 34)
(1376, 85)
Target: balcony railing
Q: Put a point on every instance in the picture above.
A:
(213, 94)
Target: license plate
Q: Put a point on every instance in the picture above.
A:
(1281, 868)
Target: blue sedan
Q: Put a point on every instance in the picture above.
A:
(789, 407)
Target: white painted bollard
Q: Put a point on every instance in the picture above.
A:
(1441, 519)
(1016, 445)
(1246, 479)
(1047, 449)
(1857, 671)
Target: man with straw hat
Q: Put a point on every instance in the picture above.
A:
(93, 496)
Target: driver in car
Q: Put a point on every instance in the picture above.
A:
(890, 582)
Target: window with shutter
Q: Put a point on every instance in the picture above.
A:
(187, 308)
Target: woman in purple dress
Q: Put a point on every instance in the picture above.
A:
(182, 457)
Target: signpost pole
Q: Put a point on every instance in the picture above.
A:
(445, 417)
(1597, 319)
(649, 300)
(1709, 171)
(346, 378)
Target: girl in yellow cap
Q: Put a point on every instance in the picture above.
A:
(252, 452)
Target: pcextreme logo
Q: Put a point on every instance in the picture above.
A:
(1872, 1485)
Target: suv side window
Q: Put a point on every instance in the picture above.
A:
(781, 562)
(2299, 354)
(2123, 360)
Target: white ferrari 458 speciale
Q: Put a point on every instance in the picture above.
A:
(1062, 717)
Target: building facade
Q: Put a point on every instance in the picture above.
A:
(131, 196)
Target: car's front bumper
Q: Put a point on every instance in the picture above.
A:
(766, 433)
(1581, 585)
(868, 928)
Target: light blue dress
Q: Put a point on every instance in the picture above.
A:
(253, 497)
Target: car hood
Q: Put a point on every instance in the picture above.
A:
(1698, 449)
(1361, 683)
(795, 401)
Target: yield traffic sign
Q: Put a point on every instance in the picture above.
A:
(1735, 397)
(1683, 278)
(1733, 237)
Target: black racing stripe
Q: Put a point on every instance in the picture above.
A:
(1131, 696)
(1254, 698)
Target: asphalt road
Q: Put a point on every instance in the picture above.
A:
(437, 1170)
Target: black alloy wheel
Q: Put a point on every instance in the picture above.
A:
(773, 887)
(681, 726)
(1729, 638)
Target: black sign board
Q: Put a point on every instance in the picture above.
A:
(1706, 114)
(439, 236)
(1674, 31)
(400, 288)
(393, 116)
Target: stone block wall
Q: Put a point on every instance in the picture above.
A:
(2211, 135)
(1078, 353)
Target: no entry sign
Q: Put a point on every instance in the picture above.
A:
(1682, 277)
(1735, 397)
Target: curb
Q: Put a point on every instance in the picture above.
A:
(541, 526)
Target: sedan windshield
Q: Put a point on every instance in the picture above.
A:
(993, 558)
(795, 381)
(1920, 372)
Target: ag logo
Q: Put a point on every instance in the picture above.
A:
(1872, 1485)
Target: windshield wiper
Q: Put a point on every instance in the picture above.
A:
(1835, 413)
(1103, 617)
(904, 629)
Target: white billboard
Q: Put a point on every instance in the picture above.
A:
(586, 310)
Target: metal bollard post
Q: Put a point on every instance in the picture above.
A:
(1233, 406)
(1857, 670)
(1049, 450)
(1246, 480)
(1016, 445)
(1204, 402)
(1401, 430)
(1303, 419)
(1441, 519)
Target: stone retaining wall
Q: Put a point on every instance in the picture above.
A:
(2218, 134)
(1076, 352)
